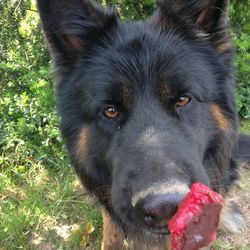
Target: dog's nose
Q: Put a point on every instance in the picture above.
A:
(155, 211)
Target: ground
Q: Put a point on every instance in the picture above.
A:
(44, 208)
(241, 195)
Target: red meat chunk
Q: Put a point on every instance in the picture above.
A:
(195, 224)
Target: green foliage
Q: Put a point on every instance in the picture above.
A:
(240, 20)
(134, 10)
(130, 9)
(245, 126)
(26, 102)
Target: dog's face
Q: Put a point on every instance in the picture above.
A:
(147, 108)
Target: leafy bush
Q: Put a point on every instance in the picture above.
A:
(29, 130)
(240, 21)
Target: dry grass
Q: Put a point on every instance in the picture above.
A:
(241, 195)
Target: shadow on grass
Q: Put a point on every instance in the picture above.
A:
(47, 209)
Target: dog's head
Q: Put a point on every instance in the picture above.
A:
(147, 108)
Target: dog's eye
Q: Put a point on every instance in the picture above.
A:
(182, 101)
(110, 112)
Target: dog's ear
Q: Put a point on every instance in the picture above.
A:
(208, 17)
(71, 27)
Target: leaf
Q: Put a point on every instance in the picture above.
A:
(89, 228)
(21, 169)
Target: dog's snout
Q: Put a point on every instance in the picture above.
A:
(155, 211)
(155, 205)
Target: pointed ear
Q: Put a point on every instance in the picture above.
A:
(71, 27)
(208, 17)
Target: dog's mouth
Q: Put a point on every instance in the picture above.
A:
(160, 230)
(152, 238)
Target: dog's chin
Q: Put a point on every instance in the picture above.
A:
(139, 237)
(148, 240)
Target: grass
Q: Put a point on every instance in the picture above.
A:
(44, 208)
(245, 126)
(42, 205)
(241, 195)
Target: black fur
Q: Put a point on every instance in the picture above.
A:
(141, 69)
(243, 153)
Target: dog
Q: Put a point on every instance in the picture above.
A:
(147, 108)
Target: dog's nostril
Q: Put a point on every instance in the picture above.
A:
(155, 211)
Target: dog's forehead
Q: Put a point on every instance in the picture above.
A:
(143, 56)
(147, 45)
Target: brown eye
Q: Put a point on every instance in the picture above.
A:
(182, 101)
(110, 112)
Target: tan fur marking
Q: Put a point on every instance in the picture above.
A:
(223, 47)
(112, 236)
(220, 118)
(82, 146)
(75, 42)
(127, 96)
(165, 92)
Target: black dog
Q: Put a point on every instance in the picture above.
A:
(147, 108)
